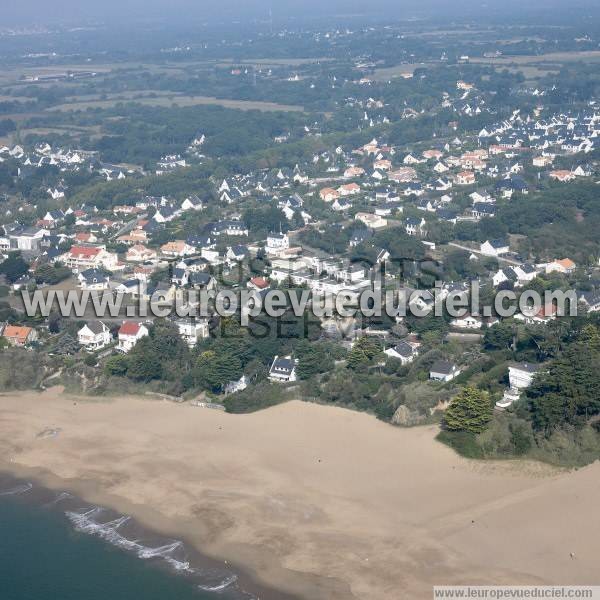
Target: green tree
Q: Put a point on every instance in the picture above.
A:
(470, 411)
(51, 274)
(14, 266)
(213, 371)
(117, 365)
(362, 354)
(313, 359)
(499, 337)
(144, 363)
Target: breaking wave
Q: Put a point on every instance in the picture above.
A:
(108, 531)
(16, 491)
(60, 498)
(219, 587)
(210, 579)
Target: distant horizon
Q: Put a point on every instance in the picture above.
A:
(70, 12)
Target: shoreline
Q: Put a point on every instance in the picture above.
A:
(49, 494)
(308, 500)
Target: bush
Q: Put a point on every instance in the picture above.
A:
(506, 437)
(463, 442)
(255, 398)
(116, 365)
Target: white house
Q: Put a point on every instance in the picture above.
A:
(494, 247)
(192, 203)
(283, 369)
(414, 226)
(520, 377)
(80, 258)
(442, 370)
(129, 335)
(140, 253)
(93, 280)
(370, 220)
(405, 352)
(563, 265)
(467, 322)
(94, 335)
(192, 330)
(276, 242)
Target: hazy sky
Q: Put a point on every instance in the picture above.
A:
(41, 11)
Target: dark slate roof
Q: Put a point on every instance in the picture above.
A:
(404, 349)
(283, 365)
(96, 326)
(94, 275)
(199, 278)
(442, 366)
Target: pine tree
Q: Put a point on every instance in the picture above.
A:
(362, 354)
(470, 411)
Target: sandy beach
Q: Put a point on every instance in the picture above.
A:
(316, 501)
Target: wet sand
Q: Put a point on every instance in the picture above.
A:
(315, 501)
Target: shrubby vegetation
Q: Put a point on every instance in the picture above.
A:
(23, 370)
(556, 420)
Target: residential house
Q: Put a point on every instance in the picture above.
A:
(200, 280)
(562, 176)
(467, 322)
(94, 335)
(329, 194)
(192, 330)
(192, 203)
(504, 275)
(94, 280)
(81, 258)
(19, 336)
(590, 299)
(27, 239)
(542, 317)
(481, 210)
(520, 376)
(444, 371)
(283, 369)
(258, 284)
(404, 351)
(495, 247)
(370, 220)
(564, 265)
(352, 172)
(165, 214)
(276, 242)
(466, 178)
(129, 334)
(415, 226)
(177, 248)
(349, 189)
(140, 253)
(236, 253)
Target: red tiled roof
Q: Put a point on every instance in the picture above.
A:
(85, 251)
(18, 333)
(259, 282)
(129, 328)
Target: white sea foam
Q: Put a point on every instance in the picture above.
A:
(221, 586)
(62, 496)
(20, 489)
(85, 523)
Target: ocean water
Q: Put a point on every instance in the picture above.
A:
(56, 547)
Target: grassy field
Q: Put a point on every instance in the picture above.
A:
(554, 58)
(386, 73)
(180, 100)
(276, 62)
